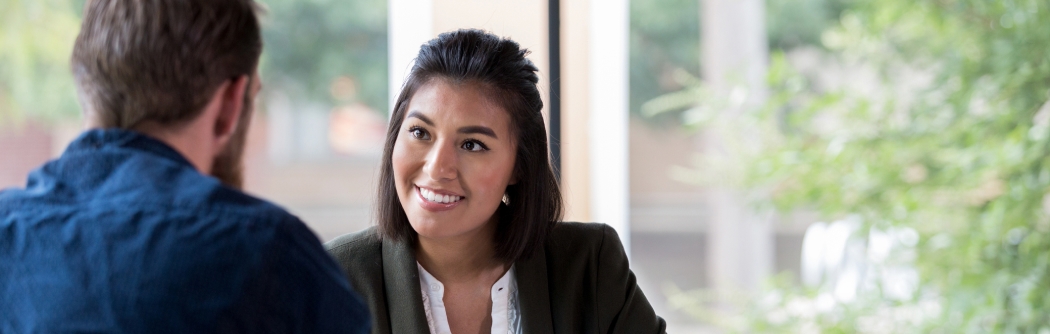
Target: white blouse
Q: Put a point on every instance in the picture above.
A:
(506, 315)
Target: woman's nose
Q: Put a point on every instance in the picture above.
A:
(442, 162)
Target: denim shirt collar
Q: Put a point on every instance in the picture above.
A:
(103, 139)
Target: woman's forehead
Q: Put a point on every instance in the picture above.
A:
(455, 104)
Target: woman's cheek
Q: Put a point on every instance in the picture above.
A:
(493, 180)
(402, 166)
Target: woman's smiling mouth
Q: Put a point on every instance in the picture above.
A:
(433, 201)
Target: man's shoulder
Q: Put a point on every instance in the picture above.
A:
(122, 179)
(235, 218)
(223, 199)
(179, 251)
(203, 198)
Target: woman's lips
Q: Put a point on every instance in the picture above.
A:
(433, 206)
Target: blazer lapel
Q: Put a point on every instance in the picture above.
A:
(533, 295)
(403, 294)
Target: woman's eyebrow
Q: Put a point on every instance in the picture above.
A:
(420, 116)
(484, 130)
(474, 129)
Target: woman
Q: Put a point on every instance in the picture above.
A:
(467, 238)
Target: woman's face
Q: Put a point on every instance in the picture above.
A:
(452, 160)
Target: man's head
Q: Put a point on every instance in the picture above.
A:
(170, 68)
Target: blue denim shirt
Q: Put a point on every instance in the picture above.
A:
(122, 235)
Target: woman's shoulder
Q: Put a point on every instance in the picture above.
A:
(588, 270)
(350, 249)
(582, 238)
(566, 230)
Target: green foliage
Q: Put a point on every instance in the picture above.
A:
(665, 41)
(962, 160)
(36, 39)
(785, 308)
(949, 138)
(665, 38)
(311, 43)
(794, 23)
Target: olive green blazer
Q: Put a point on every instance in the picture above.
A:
(580, 282)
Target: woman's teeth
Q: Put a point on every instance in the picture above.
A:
(444, 199)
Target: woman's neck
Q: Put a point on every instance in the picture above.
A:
(461, 258)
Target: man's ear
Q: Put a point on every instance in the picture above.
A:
(231, 104)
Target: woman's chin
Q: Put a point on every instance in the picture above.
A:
(430, 230)
(434, 230)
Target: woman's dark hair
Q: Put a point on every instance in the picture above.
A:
(499, 66)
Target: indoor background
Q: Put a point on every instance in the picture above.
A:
(784, 166)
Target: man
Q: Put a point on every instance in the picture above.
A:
(139, 226)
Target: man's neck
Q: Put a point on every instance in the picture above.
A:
(185, 139)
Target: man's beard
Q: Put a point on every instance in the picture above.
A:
(228, 166)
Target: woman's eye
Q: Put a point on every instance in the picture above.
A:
(474, 146)
(419, 133)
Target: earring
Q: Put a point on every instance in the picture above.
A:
(506, 201)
